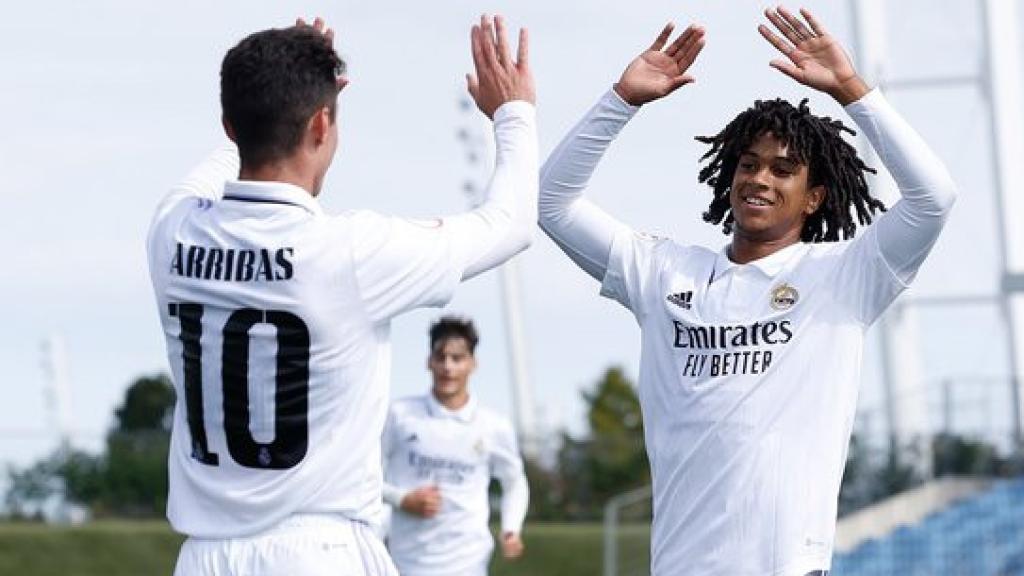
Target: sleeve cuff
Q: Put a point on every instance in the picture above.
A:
(613, 100)
(393, 495)
(870, 101)
(518, 529)
(515, 109)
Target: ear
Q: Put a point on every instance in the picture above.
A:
(319, 125)
(227, 128)
(815, 198)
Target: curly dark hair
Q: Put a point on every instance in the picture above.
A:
(454, 327)
(271, 83)
(817, 143)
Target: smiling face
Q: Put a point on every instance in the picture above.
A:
(770, 196)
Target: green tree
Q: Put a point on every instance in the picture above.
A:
(130, 479)
(611, 458)
(858, 487)
(83, 476)
(135, 479)
(953, 454)
(29, 488)
(616, 457)
(66, 474)
(148, 405)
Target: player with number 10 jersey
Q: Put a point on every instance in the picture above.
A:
(276, 315)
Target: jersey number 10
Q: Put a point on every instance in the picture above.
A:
(291, 387)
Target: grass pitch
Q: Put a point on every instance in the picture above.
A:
(143, 548)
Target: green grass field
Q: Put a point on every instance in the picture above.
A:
(123, 548)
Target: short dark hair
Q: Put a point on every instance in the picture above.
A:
(271, 83)
(817, 143)
(448, 327)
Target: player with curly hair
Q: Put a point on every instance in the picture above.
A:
(751, 354)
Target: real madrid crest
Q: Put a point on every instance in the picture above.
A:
(479, 447)
(783, 297)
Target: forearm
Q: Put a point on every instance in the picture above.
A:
(503, 225)
(515, 499)
(393, 495)
(910, 228)
(581, 229)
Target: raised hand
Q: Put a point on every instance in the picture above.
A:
(659, 71)
(815, 58)
(498, 78)
(328, 33)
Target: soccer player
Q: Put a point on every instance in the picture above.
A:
(751, 354)
(441, 450)
(277, 315)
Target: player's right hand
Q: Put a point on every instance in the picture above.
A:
(511, 545)
(328, 33)
(498, 78)
(659, 71)
(424, 502)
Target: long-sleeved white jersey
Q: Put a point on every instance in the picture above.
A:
(277, 318)
(749, 373)
(459, 451)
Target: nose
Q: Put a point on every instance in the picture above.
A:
(762, 177)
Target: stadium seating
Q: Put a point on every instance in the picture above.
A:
(979, 536)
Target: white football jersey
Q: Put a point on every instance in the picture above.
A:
(276, 317)
(749, 387)
(748, 373)
(459, 452)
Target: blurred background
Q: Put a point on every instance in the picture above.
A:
(106, 104)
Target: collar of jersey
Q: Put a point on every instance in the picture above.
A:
(464, 414)
(769, 265)
(271, 192)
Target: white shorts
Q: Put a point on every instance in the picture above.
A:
(480, 570)
(302, 545)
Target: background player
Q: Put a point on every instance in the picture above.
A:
(751, 354)
(440, 452)
(277, 315)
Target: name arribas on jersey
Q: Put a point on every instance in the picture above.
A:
(233, 264)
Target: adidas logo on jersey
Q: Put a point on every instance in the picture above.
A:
(681, 299)
(412, 438)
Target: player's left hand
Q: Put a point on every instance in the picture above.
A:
(511, 545)
(816, 59)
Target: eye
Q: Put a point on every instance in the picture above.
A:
(746, 165)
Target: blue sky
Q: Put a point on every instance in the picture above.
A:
(106, 103)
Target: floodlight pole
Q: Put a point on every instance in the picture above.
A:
(1005, 94)
(57, 392)
(896, 330)
(1000, 84)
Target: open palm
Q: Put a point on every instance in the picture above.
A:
(659, 71)
(815, 58)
